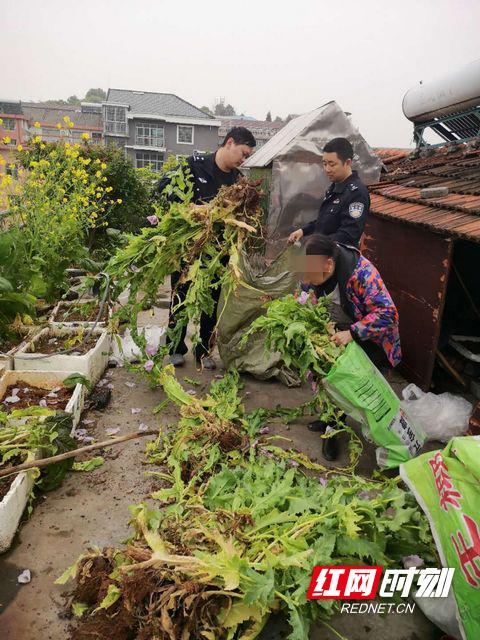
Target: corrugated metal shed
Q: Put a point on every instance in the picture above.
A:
(424, 204)
(273, 148)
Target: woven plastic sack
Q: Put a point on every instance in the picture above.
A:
(446, 485)
(238, 308)
(358, 387)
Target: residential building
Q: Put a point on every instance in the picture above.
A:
(13, 130)
(21, 120)
(262, 130)
(86, 118)
(151, 126)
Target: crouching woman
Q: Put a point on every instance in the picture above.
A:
(360, 306)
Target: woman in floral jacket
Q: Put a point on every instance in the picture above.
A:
(361, 306)
(366, 310)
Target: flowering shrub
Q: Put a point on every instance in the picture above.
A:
(57, 198)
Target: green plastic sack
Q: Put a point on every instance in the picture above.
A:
(238, 308)
(358, 387)
(446, 485)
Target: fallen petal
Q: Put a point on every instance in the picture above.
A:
(412, 561)
(24, 577)
(12, 399)
(135, 410)
(143, 427)
(111, 431)
(43, 403)
(130, 385)
(88, 421)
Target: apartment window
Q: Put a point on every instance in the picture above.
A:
(96, 136)
(150, 159)
(184, 134)
(116, 120)
(150, 135)
(8, 124)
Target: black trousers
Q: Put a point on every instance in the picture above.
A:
(207, 323)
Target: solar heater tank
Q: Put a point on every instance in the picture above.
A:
(457, 91)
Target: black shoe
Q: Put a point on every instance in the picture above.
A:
(330, 448)
(318, 426)
(177, 360)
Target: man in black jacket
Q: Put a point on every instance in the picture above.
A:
(209, 173)
(347, 201)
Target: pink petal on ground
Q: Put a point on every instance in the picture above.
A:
(24, 577)
(111, 431)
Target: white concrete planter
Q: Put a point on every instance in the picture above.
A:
(6, 361)
(15, 501)
(91, 364)
(64, 305)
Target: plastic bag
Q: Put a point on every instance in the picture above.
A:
(358, 387)
(446, 486)
(124, 348)
(238, 308)
(442, 416)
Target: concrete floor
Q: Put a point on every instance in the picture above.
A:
(91, 509)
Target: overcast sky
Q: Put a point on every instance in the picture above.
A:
(287, 57)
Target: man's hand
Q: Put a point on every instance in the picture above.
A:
(341, 338)
(295, 236)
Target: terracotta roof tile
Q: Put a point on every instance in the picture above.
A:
(399, 194)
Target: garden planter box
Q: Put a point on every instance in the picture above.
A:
(91, 364)
(6, 361)
(63, 307)
(15, 501)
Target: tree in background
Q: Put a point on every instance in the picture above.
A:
(206, 110)
(278, 119)
(73, 100)
(268, 117)
(95, 95)
(224, 110)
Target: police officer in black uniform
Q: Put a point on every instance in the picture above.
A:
(347, 201)
(209, 173)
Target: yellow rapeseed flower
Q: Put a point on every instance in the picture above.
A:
(103, 165)
(19, 148)
(11, 165)
(1, 121)
(37, 139)
(59, 125)
(2, 160)
(119, 200)
(6, 140)
(98, 174)
(85, 136)
(37, 125)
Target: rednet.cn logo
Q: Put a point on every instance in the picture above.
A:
(347, 582)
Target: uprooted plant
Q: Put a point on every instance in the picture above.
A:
(237, 533)
(201, 241)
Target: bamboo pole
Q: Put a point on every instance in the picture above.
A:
(44, 462)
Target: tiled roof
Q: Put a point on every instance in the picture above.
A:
(162, 104)
(228, 123)
(409, 191)
(52, 115)
(387, 155)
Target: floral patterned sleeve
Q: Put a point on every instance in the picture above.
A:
(375, 311)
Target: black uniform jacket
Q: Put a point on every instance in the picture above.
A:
(207, 177)
(343, 212)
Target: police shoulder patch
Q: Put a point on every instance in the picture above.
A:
(356, 209)
(353, 187)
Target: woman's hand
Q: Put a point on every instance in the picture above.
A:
(342, 338)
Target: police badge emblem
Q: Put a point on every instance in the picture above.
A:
(356, 209)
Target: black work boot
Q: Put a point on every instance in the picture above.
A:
(330, 448)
